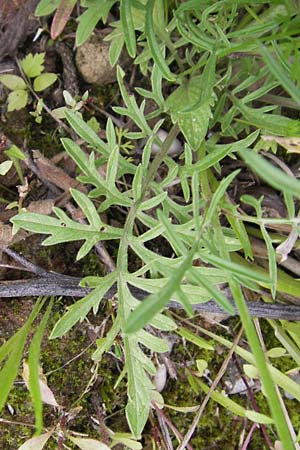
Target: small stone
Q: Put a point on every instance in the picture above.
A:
(175, 149)
(160, 377)
(92, 61)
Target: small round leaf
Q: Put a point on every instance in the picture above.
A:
(12, 82)
(17, 100)
(43, 81)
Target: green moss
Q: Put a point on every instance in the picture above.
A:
(12, 436)
(103, 95)
(44, 137)
(91, 265)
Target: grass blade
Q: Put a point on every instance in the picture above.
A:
(273, 176)
(33, 363)
(128, 27)
(153, 44)
(280, 74)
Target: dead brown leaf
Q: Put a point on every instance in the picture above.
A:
(6, 236)
(55, 175)
(291, 144)
(46, 393)
(41, 206)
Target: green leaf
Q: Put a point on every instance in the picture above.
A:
(15, 152)
(88, 209)
(208, 160)
(278, 377)
(33, 65)
(289, 345)
(238, 269)
(240, 231)
(89, 19)
(174, 238)
(46, 7)
(104, 344)
(17, 100)
(272, 123)
(133, 111)
(128, 27)
(196, 340)
(13, 82)
(88, 444)
(217, 197)
(251, 371)
(273, 176)
(280, 73)
(271, 260)
(201, 366)
(82, 307)
(86, 24)
(44, 81)
(64, 230)
(164, 323)
(36, 442)
(139, 388)
(220, 398)
(149, 307)
(258, 417)
(156, 53)
(112, 167)
(185, 301)
(126, 439)
(61, 17)
(116, 46)
(276, 352)
(194, 293)
(94, 124)
(154, 343)
(215, 293)
(86, 132)
(137, 182)
(5, 167)
(190, 105)
(82, 161)
(153, 202)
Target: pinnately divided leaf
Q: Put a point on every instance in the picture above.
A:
(139, 388)
(156, 302)
(33, 65)
(82, 307)
(65, 229)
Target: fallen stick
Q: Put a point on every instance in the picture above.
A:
(55, 284)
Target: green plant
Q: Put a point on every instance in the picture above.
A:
(71, 105)
(11, 352)
(87, 21)
(32, 66)
(218, 56)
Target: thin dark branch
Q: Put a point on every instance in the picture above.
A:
(52, 283)
(25, 263)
